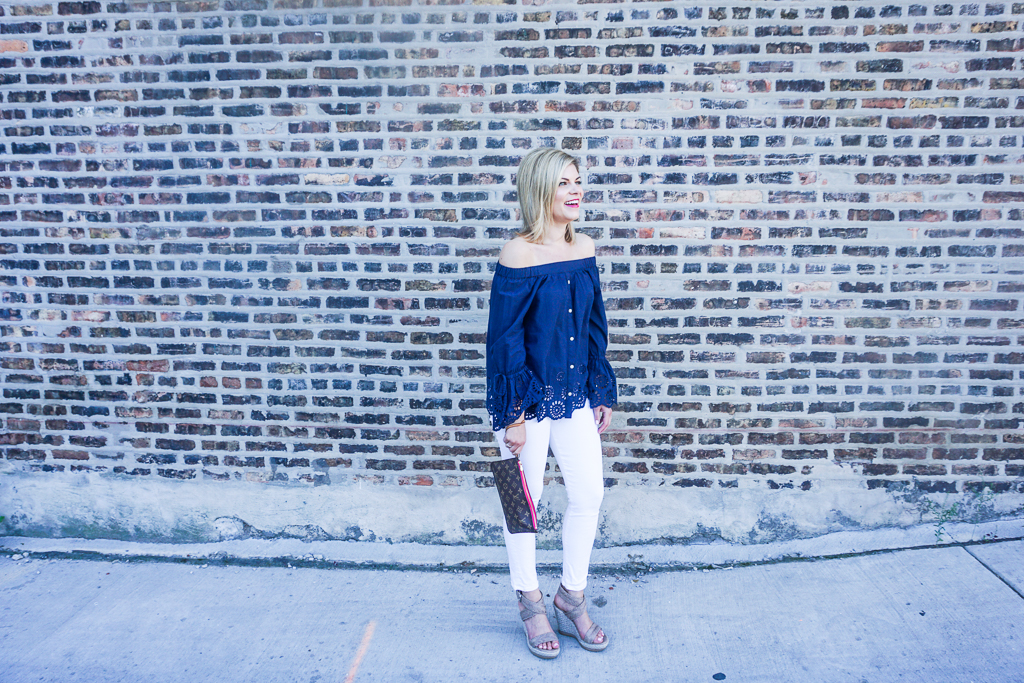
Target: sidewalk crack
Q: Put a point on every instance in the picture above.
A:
(994, 572)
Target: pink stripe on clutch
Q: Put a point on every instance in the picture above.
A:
(526, 490)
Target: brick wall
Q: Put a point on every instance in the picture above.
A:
(251, 241)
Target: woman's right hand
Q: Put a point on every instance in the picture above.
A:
(515, 438)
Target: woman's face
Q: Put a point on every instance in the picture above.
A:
(568, 196)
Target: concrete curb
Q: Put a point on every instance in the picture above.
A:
(422, 557)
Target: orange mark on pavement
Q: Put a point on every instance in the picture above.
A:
(363, 647)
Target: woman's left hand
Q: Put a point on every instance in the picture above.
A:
(603, 418)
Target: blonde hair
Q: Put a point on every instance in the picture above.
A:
(536, 183)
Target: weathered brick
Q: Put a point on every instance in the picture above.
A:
(137, 227)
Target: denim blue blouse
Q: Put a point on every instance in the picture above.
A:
(546, 339)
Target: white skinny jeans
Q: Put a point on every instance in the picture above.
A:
(577, 447)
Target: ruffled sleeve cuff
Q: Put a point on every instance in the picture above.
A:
(508, 396)
(601, 388)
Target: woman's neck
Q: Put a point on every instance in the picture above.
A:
(554, 235)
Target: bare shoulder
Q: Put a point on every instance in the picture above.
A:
(585, 245)
(517, 253)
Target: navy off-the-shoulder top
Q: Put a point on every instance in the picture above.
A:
(546, 339)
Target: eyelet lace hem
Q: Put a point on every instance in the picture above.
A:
(601, 387)
(508, 395)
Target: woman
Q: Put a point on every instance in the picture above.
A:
(548, 384)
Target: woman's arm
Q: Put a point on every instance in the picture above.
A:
(601, 387)
(512, 386)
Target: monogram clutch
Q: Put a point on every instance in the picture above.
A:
(516, 503)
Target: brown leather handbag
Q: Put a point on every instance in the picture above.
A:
(516, 503)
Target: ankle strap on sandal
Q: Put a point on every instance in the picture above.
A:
(528, 609)
(579, 605)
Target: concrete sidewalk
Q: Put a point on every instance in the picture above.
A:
(946, 614)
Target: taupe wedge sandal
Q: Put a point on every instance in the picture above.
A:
(567, 622)
(528, 609)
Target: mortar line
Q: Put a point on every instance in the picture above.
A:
(995, 573)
